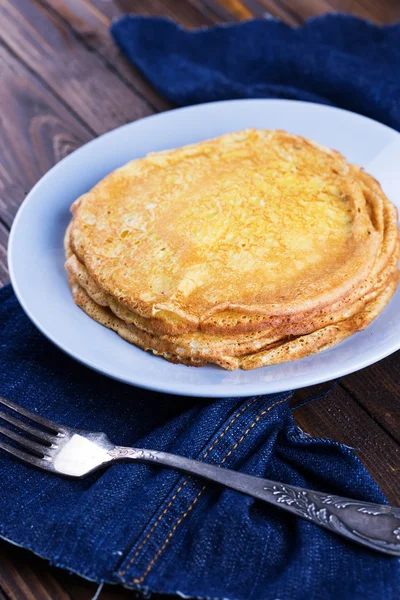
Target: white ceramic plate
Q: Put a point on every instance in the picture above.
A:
(36, 255)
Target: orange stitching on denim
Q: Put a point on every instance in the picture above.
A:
(169, 536)
(221, 435)
(161, 515)
(140, 579)
(251, 427)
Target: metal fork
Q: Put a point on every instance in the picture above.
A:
(76, 453)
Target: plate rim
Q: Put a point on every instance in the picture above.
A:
(187, 389)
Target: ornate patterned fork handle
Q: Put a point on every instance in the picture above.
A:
(372, 525)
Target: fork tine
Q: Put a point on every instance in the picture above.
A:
(27, 458)
(30, 415)
(41, 450)
(40, 435)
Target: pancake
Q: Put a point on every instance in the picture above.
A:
(257, 222)
(295, 324)
(271, 354)
(236, 344)
(245, 251)
(324, 338)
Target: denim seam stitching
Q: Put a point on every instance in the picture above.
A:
(139, 580)
(164, 512)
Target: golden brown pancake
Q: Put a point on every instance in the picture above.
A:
(215, 345)
(257, 222)
(248, 250)
(272, 353)
(252, 348)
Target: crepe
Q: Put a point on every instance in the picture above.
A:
(258, 222)
(248, 250)
(270, 353)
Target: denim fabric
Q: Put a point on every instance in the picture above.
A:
(154, 529)
(336, 59)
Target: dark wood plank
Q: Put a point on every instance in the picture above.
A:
(232, 11)
(23, 581)
(382, 12)
(79, 77)
(256, 9)
(4, 279)
(92, 28)
(181, 11)
(3, 596)
(37, 131)
(377, 390)
(188, 13)
(341, 418)
(291, 12)
(277, 10)
(295, 12)
(24, 576)
(239, 9)
(304, 9)
(214, 10)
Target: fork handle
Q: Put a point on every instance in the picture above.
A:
(372, 525)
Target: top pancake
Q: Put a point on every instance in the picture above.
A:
(256, 222)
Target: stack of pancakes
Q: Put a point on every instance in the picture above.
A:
(248, 250)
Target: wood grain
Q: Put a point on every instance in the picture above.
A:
(382, 11)
(377, 390)
(24, 576)
(213, 10)
(77, 76)
(27, 583)
(3, 596)
(341, 418)
(37, 131)
(276, 10)
(237, 8)
(304, 9)
(295, 12)
(92, 28)
(186, 13)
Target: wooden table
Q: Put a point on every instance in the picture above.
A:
(62, 83)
